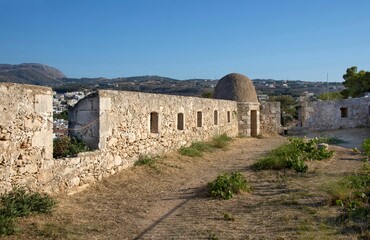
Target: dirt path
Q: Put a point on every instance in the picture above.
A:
(169, 201)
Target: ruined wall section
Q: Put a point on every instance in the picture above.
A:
(347, 113)
(125, 122)
(25, 134)
(270, 118)
(118, 123)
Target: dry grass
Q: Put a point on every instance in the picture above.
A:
(170, 201)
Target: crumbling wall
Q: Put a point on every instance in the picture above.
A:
(25, 134)
(270, 118)
(347, 113)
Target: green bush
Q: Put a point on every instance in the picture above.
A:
(68, 147)
(292, 156)
(20, 203)
(228, 184)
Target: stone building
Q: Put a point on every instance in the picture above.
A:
(239, 88)
(119, 125)
(346, 113)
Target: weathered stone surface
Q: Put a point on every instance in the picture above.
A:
(236, 87)
(322, 115)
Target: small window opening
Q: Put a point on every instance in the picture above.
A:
(228, 117)
(199, 119)
(154, 122)
(215, 117)
(180, 121)
(344, 112)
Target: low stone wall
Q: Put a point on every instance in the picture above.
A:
(270, 118)
(348, 113)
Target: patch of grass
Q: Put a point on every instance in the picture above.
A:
(352, 194)
(52, 231)
(228, 217)
(145, 160)
(68, 147)
(196, 149)
(292, 156)
(20, 203)
(330, 140)
(221, 141)
(228, 184)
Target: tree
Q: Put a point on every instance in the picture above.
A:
(330, 96)
(356, 83)
(288, 108)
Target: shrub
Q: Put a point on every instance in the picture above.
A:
(68, 147)
(228, 184)
(292, 156)
(20, 203)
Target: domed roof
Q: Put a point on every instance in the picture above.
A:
(236, 87)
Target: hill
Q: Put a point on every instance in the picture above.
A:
(30, 73)
(39, 74)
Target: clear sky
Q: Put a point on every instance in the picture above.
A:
(183, 39)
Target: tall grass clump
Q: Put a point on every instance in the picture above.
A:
(196, 149)
(228, 184)
(145, 160)
(352, 195)
(20, 203)
(292, 155)
(221, 141)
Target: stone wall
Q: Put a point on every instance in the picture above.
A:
(125, 122)
(25, 134)
(270, 118)
(248, 118)
(117, 124)
(348, 113)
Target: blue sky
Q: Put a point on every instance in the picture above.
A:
(183, 39)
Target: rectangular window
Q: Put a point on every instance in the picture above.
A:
(215, 117)
(344, 112)
(228, 117)
(199, 119)
(180, 121)
(154, 122)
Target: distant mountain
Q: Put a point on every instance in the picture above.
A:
(33, 73)
(30, 73)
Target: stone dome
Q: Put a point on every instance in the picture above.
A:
(236, 87)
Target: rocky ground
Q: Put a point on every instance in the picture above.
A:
(168, 200)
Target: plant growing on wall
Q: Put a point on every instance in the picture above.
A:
(68, 147)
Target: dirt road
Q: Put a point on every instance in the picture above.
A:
(169, 200)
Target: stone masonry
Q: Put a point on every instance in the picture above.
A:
(347, 113)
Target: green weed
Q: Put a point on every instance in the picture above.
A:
(20, 203)
(228, 184)
(221, 141)
(292, 155)
(145, 160)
